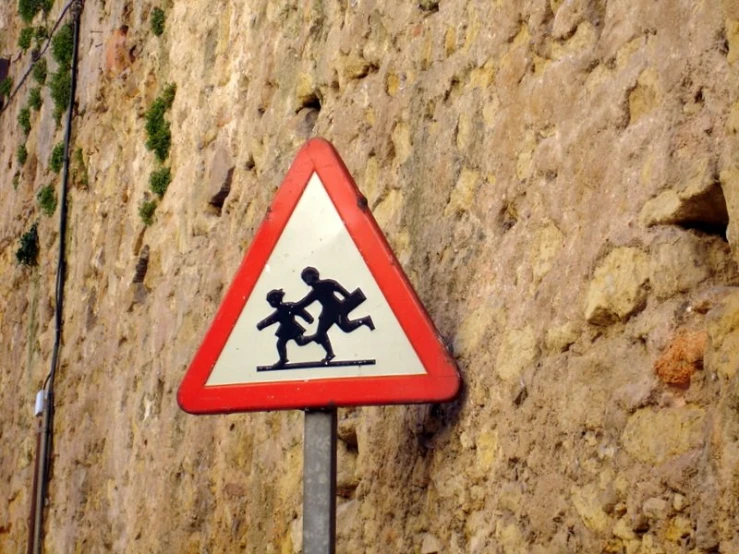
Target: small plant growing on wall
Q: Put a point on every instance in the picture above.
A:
(62, 46)
(39, 71)
(168, 95)
(79, 171)
(41, 34)
(158, 129)
(6, 86)
(24, 120)
(27, 253)
(56, 161)
(59, 86)
(25, 38)
(21, 154)
(146, 211)
(157, 21)
(159, 180)
(46, 199)
(62, 49)
(34, 98)
(27, 9)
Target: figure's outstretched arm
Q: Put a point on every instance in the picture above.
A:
(307, 300)
(304, 314)
(267, 321)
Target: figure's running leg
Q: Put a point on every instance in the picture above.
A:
(282, 351)
(321, 337)
(326, 343)
(348, 325)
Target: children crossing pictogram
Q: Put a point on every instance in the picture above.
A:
(334, 311)
(320, 313)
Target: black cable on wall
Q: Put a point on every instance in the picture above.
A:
(44, 460)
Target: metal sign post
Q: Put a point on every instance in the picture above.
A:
(319, 482)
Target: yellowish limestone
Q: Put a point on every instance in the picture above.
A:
(487, 449)
(732, 36)
(463, 193)
(722, 350)
(646, 96)
(517, 352)
(465, 131)
(653, 436)
(586, 501)
(392, 83)
(450, 41)
(617, 289)
(402, 142)
(560, 337)
(544, 250)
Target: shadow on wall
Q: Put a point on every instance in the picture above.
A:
(4, 70)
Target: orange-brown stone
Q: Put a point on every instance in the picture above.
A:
(682, 357)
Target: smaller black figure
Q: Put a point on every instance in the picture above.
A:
(289, 329)
(333, 309)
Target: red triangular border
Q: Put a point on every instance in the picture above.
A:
(440, 383)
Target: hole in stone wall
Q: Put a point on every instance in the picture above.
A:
(429, 6)
(219, 198)
(335, 84)
(311, 101)
(142, 265)
(508, 216)
(705, 212)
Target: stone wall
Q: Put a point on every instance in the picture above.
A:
(559, 179)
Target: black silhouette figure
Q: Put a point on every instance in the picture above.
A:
(333, 309)
(288, 329)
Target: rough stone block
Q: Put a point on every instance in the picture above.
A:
(548, 242)
(117, 55)
(617, 289)
(588, 506)
(463, 193)
(561, 337)
(705, 206)
(678, 263)
(517, 352)
(722, 352)
(654, 436)
(656, 508)
(682, 357)
(732, 37)
(431, 545)
(730, 186)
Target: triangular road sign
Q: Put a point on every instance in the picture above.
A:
(320, 313)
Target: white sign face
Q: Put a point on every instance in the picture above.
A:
(325, 317)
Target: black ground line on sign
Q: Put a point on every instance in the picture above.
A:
(307, 365)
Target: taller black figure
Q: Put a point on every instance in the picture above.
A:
(333, 309)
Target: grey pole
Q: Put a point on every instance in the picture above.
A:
(319, 482)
